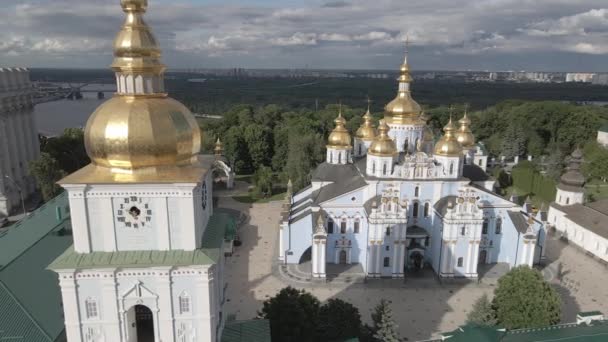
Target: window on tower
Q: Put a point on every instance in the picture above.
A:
(388, 231)
(417, 191)
(415, 209)
(184, 303)
(387, 262)
(357, 226)
(330, 226)
(463, 231)
(384, 169)
(451, 168)
(499, 225)
(427, 208)
(91, 308)
(340, 158)
(343, 226)
(460, 262)
(484, 228)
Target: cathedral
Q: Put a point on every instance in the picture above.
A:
(394, 199)
(148, 253)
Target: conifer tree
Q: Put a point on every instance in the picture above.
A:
(384, 325)
(482, 312)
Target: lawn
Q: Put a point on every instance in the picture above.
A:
(251, 198)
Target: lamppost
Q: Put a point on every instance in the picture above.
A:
(20, 193)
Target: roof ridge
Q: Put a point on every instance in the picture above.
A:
(32, 319)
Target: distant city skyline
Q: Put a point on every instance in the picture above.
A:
(543, 35)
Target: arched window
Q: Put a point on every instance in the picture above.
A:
(357, 225)
(343, 226)
(388, 231)
(463, 231)
(499, 225)
(330, 226)
(373, 167)
(567, 200)
(331, 157)
(484, 228)
(415, 209)
(480, 162)
(406, 145)
(184, 303)
(460, 261)
(451, 168)
(360, 149)
(427, 208)
(340, 158)
(417, 191)
(387, 262)
(384, 169)
(90, 306)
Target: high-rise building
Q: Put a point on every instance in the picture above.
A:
(18, 138)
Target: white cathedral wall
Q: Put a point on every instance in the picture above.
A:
(297, 239)
(402, 133)
(583, 238)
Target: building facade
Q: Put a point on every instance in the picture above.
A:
(399, 201)
(147, 259)
(19, 143)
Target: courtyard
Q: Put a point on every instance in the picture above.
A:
(423, 307)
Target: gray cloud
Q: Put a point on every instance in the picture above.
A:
(445, 34)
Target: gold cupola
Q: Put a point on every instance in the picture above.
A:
(366, 132)
(448, 145)
(464, 135)
(339, 138)
(140, 129)
(219, 148)
(403, 109)
(383, 145)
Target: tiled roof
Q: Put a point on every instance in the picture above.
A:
(257, 330)
(591, 216)
(30, 300)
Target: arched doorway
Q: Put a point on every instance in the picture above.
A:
(483, 257)
(141, 324)
(306, 256)
(343, 257)
(417, 260)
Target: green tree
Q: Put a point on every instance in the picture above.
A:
(524, 300)
(293, 315)
(385, 328)
(263, 180)
(482, 312)
(67, 149)
(513, 141)
(259, 144)
(47, 172)
(338, 321)
(595, 164)
(235, 149)
(305, 152)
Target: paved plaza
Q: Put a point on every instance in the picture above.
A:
(422, 305)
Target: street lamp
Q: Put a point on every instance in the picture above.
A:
(20, 193)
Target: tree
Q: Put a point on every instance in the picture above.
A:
(47, 173)
(262, 179)
(67, 149)
(305, 152)
(293, 315)
(524, 300)
(595, 164)
(513, 142)
(482, 312)
(385, 328)
(235, 149)
(338, 321)
(259, 144)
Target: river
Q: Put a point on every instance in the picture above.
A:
(53, 117)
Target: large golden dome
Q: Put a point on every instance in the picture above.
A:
(464, 135)
(383, 145)
(127, 132)
(140, 127)
(339, 138)
(366, 132)
(448, 145)
(403, 109)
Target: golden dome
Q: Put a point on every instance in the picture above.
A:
(127, 132)
(339, 138)
(403, 109)
(367, 131)
(448, 145)
(464, 135)
(219, 147)
(135, 48)
(383, 145)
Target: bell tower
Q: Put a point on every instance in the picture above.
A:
(147, 258)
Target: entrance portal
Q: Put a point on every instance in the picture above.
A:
(483, 255)
(142, 324)
(343, 257)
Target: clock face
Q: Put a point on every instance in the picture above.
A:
(204, 194)
(134, 212)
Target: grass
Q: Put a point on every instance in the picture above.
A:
(597, 190)
(522, 195)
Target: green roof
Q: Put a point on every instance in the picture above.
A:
(29, 295)
(257, 330)
(597, 331)
(209, 253)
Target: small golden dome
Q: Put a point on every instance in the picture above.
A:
(448, 145)
(367, 131)
(127, 132)
(464, 135)
(383, 145)
(219, 147)
(339, 138)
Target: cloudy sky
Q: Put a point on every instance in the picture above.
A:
(369, 34)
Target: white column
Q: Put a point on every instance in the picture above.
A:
(165, 305)
(187, 229)
(445, 256)
(206, 325)
(315, 258)
(163, 228)
(452, 257)
(281, 249)
(110, 307)
(71, 311)
(322, 259)
(475, 258)
(79, 217)
(395, 261)
(469, 259)
(379, 258)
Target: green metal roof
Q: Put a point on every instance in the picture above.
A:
(30, 300)
(209, 253)
(257, 330)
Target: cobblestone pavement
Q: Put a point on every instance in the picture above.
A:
(422, 306)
